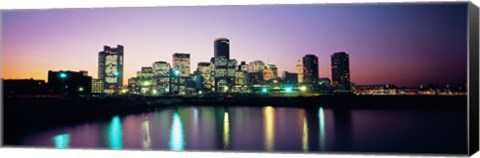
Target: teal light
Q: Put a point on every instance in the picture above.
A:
(264, 90)
(62, 140)
(116, 73)
(176, 72)
(321, 120)
(63, 75)
(288, 90)
(177, 141)
(115, 133)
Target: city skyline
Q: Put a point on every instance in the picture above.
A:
(432, 65)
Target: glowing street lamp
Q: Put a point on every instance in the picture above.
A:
(225, 88)
(303, 88)
(264, 90)
(80, 89)
(288, 90)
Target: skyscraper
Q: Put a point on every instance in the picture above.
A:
(161, 78)
(110, 68)
(256, 66)
(181, 72)
(205, 70)
(274, 69)
(300, 71)
(181, 62)
(310, 69)
(222, 48)
(340, 72)
(268, 73)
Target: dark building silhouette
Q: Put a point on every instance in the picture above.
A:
(222, 48)
(69, 82)
(340, 72)
(110, 68)
(310, 69)
(254, 78)
(24, 87)
(290, 78)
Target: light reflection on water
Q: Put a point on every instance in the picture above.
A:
(321, 120)
(115, 133)
(264, 129)
(177, 141)
(226, 131)
(62, 140)
(269, 115)
(146, 134)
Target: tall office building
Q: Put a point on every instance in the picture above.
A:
(222, 48)
(181, 62)
(300, 71)
(145, 80)
(161, 77)
(310, 69)
(274, 69)
(205, 70)
(267, 73)
(180, 72)
(340, 72)
(256, 66)
(224, 66)
(110, 68)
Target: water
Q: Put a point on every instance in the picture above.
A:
(268, 128)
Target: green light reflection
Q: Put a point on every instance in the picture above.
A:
(177, 141)
(321, 120)
(115, 133)
(62, 140)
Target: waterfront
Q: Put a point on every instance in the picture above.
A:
(301, 127)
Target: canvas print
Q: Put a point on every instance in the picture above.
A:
(311, 78)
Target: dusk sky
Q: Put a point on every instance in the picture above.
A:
(400, 44)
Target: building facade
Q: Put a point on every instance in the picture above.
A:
(69, 82)
(310, 69)
(256, 66)
(97, 86)
(222, 48)
(110, 68)
(340, 72)
(300, 71)
(161, 77)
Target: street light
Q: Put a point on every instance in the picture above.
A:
(288, 90)
(303, 88)
(264, 90)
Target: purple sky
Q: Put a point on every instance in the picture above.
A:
(387, 43)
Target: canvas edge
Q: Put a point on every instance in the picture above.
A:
(473, 79)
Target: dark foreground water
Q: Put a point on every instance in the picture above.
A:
(269, 128)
